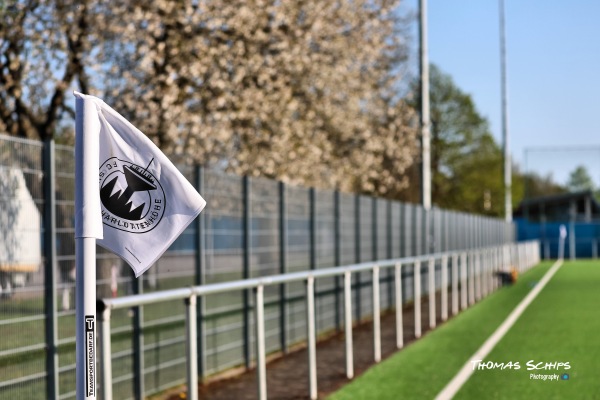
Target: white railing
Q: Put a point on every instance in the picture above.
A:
(477, 279)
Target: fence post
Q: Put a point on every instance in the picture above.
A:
(261, 367)
(312, 339)
(406, 217)
(426, 249)
(374, 237)
(376, 316)
(417, 297)
(463, 280)
(313, 227)
(50, 286)
(348, 324)
(337, 256)
(418, 230)
(246, 265)
(374, 257)
(192, 351)
(358, 254)
(282, 266)
(399, 322)
(200, 264)
(446, 231)
(389, 255)
(436, 234)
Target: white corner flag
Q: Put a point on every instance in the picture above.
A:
(130, 199)
(145, 201)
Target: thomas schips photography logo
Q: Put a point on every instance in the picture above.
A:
(537, 370)
(132, 198)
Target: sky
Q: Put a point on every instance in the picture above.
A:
(553, 62)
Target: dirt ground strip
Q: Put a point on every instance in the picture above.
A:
(287, 376)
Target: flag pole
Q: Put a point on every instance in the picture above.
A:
(86, 205)
(132, 236)
(85, 249)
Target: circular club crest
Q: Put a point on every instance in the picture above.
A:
(132, 198)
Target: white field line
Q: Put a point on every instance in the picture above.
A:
(456, 383)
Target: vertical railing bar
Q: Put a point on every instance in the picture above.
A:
(261, 367)
(105, 352)
(482, 284)
(312, 339)
(463, 279)
(192, 351)
(431, 276)
(406, 218)
(313, 228)
(348, 324)
(486, 268)
(399, 321)
(454, 283)
(417, 297)
(471, 277)
(485, 278)
(477, 275)
(444, 287)
(376, 316)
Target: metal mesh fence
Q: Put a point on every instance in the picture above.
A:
(250, 228)
(22, 291)
(327, 289)
(223, 323)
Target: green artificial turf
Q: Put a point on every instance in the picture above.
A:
(421, 370)
(561, 325)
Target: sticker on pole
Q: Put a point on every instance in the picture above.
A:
(90, 364)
